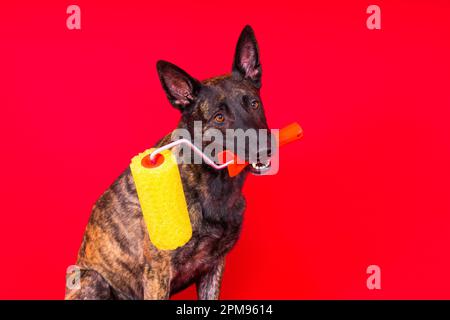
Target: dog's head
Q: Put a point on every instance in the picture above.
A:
(226, 103)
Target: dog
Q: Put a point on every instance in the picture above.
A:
(116, 259)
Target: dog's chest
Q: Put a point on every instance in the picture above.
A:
(208, 245)
(216, 209)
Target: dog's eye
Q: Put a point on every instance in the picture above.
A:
(219, 118)
(254, 104)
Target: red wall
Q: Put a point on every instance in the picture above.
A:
(367, 185)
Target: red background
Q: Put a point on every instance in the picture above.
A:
(367, 185)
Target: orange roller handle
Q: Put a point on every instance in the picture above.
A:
(290, 133)
(287, 134)
(234, 168)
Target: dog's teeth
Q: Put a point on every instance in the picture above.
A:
(261, 166)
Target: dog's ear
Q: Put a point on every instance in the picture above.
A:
(246, 58)
(181, 89)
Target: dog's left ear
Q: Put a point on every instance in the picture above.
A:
(246, 59)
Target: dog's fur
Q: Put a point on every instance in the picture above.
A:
(116, 258)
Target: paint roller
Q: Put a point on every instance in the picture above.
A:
(160, 190)
(162, 200)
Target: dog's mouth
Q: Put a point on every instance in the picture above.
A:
(259, 168)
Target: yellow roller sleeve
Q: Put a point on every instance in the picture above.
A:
(162, 200)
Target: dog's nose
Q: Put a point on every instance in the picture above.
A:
(265, 150)
(265, 153)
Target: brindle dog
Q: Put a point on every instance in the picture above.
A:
(116, 258)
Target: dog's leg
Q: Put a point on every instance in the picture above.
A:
(157, 280)
(92, 287)
(208, 286)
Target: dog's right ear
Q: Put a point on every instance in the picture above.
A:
(181, 89)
